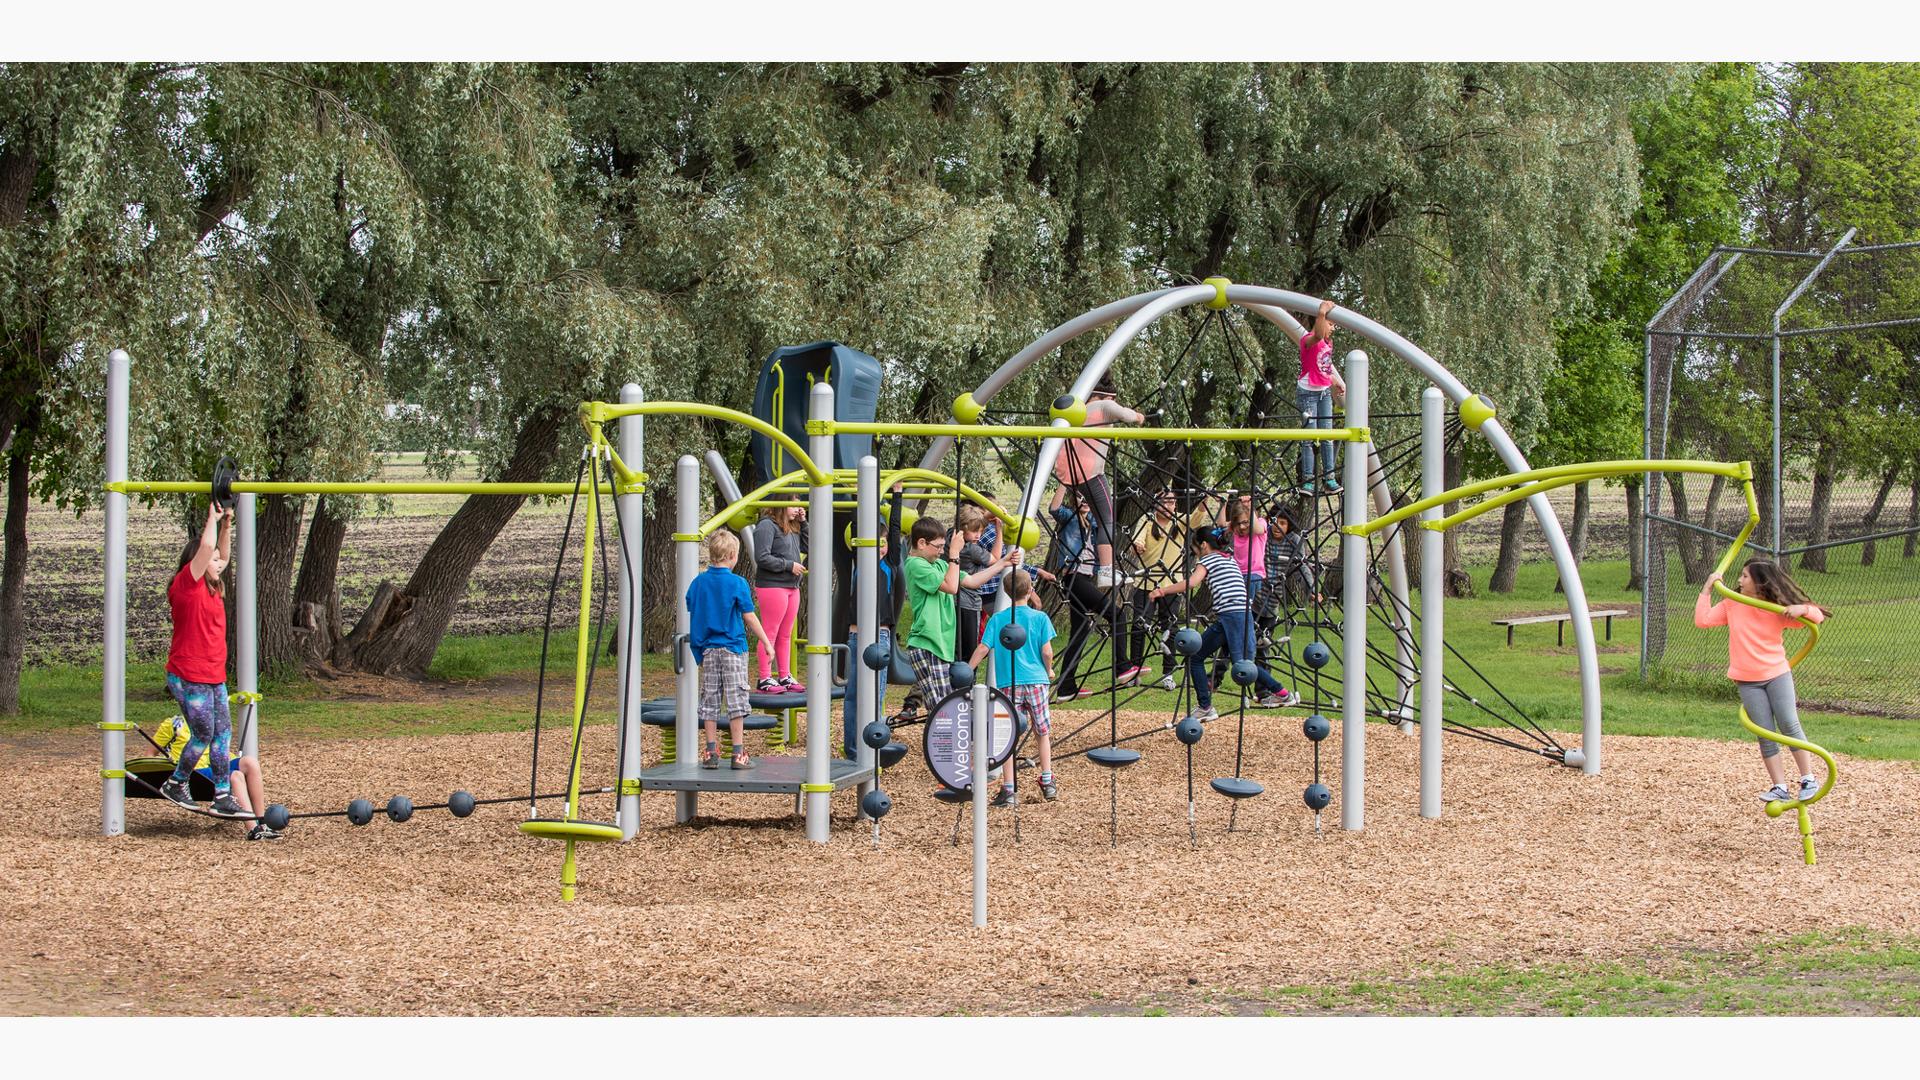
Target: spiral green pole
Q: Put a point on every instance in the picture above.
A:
(1778, 806)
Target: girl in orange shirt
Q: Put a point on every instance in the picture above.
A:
(1757, 661)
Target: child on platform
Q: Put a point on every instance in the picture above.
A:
(718, 605)
(1232, 627)
(1757, 662)
(1025, 674)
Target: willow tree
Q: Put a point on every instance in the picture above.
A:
(101, 210)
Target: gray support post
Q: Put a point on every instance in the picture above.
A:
(979, 755)
(686, 687)
(246, 612)
(819, 582)
(113, 693)
(1433, 600)
(1353, 556)
(627, 638)
(866, 600)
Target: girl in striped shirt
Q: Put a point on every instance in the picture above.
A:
(1232, 626)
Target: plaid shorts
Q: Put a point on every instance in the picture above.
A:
(723, 685)
(932, 675)
(1031, 700)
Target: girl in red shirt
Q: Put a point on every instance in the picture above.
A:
(197, 661)
(1757, 662)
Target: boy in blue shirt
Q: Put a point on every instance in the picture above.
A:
(718, 603)
(1025, 674)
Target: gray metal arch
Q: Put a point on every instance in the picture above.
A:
(1135, 313)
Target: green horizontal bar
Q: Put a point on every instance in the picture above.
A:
(371, 487)
(1135, 434)
(1590, 470)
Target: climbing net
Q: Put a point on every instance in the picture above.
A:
(1295, 590)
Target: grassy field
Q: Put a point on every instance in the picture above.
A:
(486, 683)
(1851, 973)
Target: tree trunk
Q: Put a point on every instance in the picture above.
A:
(1506, 568)
(660, 596)
(1636, 537)
(1459, 582)
(1871, 523)
(316, 593)
(400, 637)
(1692, 555)
(1826, 470)
(1582, 512)
(13, 578)
(278, 536)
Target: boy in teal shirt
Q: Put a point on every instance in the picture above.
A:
(932, 582)
(1025, 673)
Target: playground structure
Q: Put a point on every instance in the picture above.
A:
(817, 476)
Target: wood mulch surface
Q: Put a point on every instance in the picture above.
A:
(1531, 864)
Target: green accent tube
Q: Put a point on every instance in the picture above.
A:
(371, 487)
(594, 413)
(1133, 434)
(1588, 470)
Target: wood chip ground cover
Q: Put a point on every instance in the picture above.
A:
(1532, 864)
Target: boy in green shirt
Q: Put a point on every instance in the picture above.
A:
(932, 582)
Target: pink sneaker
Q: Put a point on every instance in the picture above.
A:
(1127, 675)
(792, 685)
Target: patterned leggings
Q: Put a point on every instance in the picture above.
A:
(205, 707)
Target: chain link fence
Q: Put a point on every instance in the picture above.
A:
(1807, 364)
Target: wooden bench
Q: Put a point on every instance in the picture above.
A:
(1560, 636)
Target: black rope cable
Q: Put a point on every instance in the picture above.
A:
(599, 638)
(546, 635)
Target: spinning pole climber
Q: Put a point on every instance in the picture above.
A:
(1533, 482)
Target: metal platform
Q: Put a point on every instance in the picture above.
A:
(774, 775)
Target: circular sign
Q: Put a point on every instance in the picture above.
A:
(949, 741)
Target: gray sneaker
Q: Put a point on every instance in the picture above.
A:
(1207, 715)
(224, 805)
(1049, 792)
(1776, 793)
(1277, 700)
(1809, 787)
(176, 791)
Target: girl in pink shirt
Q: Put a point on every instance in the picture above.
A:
(1757, 661)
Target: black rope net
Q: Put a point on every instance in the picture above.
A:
(1296, 594)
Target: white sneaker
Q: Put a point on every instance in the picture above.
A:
(1107, 578)
(1809, 787)
(1166, 683)
(1207, 714)
(1278, 700)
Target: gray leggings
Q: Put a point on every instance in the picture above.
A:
(1771, 705)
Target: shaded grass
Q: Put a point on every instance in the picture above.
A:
(1844, 973)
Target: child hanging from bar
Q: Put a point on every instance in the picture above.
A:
(719, 603)
(1082, 467)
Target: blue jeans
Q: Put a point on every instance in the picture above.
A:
(1316, 411)
(1232, 631)
(857, 673)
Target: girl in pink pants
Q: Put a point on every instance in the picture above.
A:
(779, 551)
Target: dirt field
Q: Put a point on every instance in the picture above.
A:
(1531, 864)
